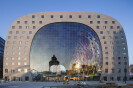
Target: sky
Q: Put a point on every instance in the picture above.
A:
(121, 10)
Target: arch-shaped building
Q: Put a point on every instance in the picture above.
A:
(90, 39)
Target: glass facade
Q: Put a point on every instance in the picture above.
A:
(2, 44)
(74, 48)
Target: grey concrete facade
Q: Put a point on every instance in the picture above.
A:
(22, 30)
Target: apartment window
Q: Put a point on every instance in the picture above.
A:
(12, 71)
(33, 22)
(124, 48)
(26, 42)
(70, 16)
(106, 58)
(19, 47)
(6, 63)
(19, 53)
(111, 78)
(13, 53)
(25, 63)
(10, 32)
(33, 16)
(20, 42)
(108, 32)
(61, 16)
(42, 16)
(113, 58)
(106, 22)
(118, 78)
(91, 22)
(121, 32)
(30, 32)
(114, 32)
(23, 32)
(13, 47)
(124, 53)
(89, 16)
(106, 53)
(25, 22)
(116, 37)
(19, 70)
(119, 63)
(122, 37)
(8, 42)
(118, 27)
(17, 32)
(18, 63)
(9, 37)
(14, 42)
(27, 27)
(6, 70)
(13, 27)
(40, 22)
(113, 22)
(103, 37)
(117, 42)
(97, 27)
(106, 70)
(28, 37)
(34, 27)
(7, 47)
(119, 58)
(19, 58)
(25, 58)
(21, 37)
(15, 37)
(106, 63)
(80, 16)
(119, 70)
(25, 47)
(12, 63)
(6, 58)
(20, 27)
(106, 47)
(123, 42)
(104, 27)
(98, 16)
(25, 53)
(101, 32)
(52, 16)
(111, 27)
(98, 22)
(105, 42)
(25, 71)
(18, 22)
(113, 70)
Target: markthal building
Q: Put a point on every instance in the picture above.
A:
(45, 46)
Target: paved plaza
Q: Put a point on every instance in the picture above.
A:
(90, 84)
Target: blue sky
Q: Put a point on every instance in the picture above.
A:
(122, 10)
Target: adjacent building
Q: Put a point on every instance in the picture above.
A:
(2, 44)
(93, 40)
(131, 69)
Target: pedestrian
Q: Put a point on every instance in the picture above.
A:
(67, 81)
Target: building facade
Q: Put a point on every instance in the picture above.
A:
(131, 69)
(2, 44)
(93, 40)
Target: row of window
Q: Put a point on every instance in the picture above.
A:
(112, 78)
(12, 58)
(119, 58)
(26, 27)
(117, 53)
(113, 70)
(21, 37)
(19, 63)
(119, 63)
(91, 22)
(13, 53)
(61, 16)
(18, 70)
(19, 53)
